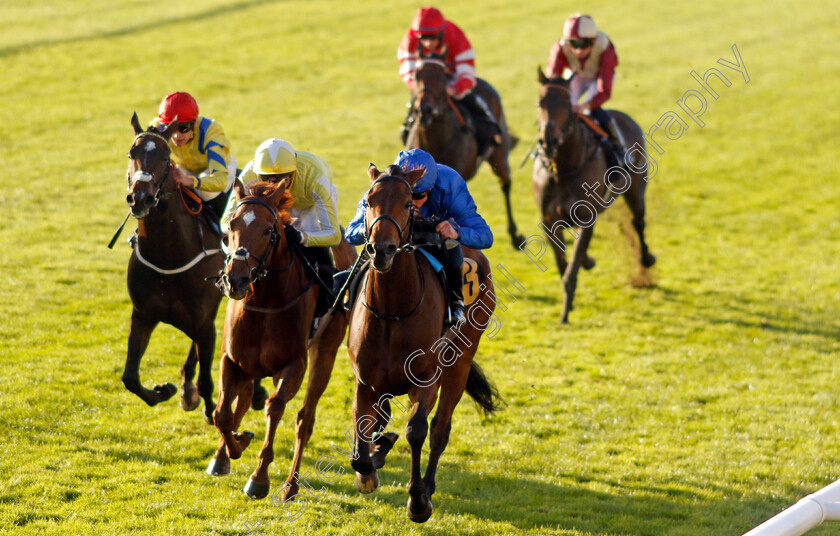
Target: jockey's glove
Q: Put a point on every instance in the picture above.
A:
(294, 235)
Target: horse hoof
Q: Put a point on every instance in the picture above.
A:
(518, 241)
(259, 397)
(165, 391)
(218, 467)
(588, 263)
(648, 260)
(190, 398)
(207, 413)
(366, 483)
(423, 511)
(384, 444)
(255, 490)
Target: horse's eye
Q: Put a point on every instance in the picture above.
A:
(267, 232)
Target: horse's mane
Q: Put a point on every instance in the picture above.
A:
(264, 190)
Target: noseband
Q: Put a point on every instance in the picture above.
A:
(406, 246)
(141, 175)
(242, 254)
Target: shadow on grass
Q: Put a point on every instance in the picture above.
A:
(629, 509)
(174, 21)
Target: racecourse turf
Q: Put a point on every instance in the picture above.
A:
(701, 403)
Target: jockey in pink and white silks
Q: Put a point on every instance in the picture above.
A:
(590, 55)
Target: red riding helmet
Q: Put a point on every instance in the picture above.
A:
(178, 104)
(428, 20)
(580, 26)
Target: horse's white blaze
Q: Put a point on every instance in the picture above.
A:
(150, 146)
(248, 218)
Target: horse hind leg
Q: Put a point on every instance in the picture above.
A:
(205, 345)
(384, 442)
(635, 199)
(190, 399)
(139, 334)
(499, 164)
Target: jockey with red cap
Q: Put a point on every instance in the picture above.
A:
(590, 55)
(430, 33)
(200, 151)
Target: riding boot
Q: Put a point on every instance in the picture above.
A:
(320, 258)
(487, 130)
(617, 142)
(456, 296)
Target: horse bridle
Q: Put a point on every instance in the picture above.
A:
(564, 130)
(242, 254)
(406, 246)
(141, 175)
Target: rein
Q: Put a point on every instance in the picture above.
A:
(543, 148)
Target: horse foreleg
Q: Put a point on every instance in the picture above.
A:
(419, 507)
(321, 361)
(139, 334)
(287, 385)
(234, 385)
(570, 276)
(364, 419)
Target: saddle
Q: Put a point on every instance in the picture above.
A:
(611, 152)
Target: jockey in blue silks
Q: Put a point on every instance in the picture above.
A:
(447, 200)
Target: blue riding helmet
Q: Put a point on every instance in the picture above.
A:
(415, 158)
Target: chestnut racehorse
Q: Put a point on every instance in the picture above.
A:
(170, 273)
(573, 184)
(395, 342)
(440, 130)
(267, 324)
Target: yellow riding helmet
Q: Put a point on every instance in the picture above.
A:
(274, 156)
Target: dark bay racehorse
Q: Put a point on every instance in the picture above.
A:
(571, 176)
(170, 273)
(271, 308)
(441, 130)
(396, 347)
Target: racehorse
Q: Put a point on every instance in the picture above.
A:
(395, 322)
(441, 130)
(267, 323)
(570, 167)
(170, 273)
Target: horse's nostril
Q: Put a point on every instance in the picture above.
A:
(391, 250)
(130, 200)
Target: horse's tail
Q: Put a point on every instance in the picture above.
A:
(484, 393)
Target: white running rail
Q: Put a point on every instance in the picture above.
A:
(810, 512)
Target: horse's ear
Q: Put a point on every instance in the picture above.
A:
(170, 129)
(372, 172)
(415, 175)
(239, 189)
(541, 77)
(136, 124)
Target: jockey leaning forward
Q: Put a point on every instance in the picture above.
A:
(442, 195)
(314, 214)
(200, 151)
(431, 34)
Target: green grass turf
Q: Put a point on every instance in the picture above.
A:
(701, 405)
